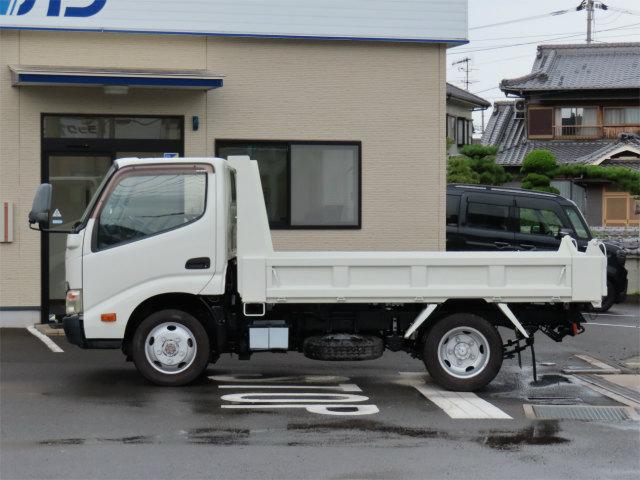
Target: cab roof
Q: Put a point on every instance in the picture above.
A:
(132, 161)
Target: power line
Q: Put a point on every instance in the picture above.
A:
(523, 19)
(495, 47)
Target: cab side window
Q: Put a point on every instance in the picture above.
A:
(145, 204)
(539, 222)
(487, 216)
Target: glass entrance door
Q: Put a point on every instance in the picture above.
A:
(77, 151)
(74, 179)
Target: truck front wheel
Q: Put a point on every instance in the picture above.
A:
(463, 352)
(170, 348)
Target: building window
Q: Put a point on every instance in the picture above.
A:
(540, 122)
(461, 131)
(305, 184)
(577, 122)
(622, 116)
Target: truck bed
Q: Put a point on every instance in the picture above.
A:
(427, 277)
(265, 276)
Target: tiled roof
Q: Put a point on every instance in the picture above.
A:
(632, 164)
(581, 67)
(503, 129)
(468, 97)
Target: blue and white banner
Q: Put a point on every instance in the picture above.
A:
(405, 20)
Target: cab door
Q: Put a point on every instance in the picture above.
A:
(152, 232)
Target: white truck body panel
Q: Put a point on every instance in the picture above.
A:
(265, 276)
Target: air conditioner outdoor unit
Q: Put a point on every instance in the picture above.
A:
(520, 108)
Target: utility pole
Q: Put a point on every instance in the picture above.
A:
(466, 69)
(589, 19)
(590, 6)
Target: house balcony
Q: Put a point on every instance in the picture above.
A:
(587, 132)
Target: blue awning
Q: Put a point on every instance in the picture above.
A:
(25, 75)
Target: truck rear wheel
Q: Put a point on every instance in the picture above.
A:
(170, 348)
(463, 352)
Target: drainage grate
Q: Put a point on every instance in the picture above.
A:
(581, 412)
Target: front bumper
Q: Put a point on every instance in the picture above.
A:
(74, 330)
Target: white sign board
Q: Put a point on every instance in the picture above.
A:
(418, 20)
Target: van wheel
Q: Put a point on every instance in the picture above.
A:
(170, 348)
(463, 352)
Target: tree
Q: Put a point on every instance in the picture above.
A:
(539, 167)
(476, 164)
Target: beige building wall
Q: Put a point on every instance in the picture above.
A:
(391, 97)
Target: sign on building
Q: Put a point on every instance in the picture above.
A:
(423, 21)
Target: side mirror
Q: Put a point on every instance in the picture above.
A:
(564, 232)
(41, 207)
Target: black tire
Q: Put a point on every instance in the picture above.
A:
(200, 339)
(479, 379)
(608, 300)
(343, 347)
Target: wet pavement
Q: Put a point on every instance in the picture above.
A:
(88, 414)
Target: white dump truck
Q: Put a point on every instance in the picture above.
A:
(173, 263)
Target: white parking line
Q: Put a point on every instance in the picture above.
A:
(614, 315)
(46, 340)
(595, 362)
(455, 404)
(611, 325)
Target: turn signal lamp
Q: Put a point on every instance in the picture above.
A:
(108, 317)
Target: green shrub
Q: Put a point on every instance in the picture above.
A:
(624, 178)
(459, 171)
(478, 151)
(539, 161)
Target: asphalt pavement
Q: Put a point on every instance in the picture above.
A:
(88, 414)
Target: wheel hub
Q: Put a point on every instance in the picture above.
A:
(170, 348)
(463, 352)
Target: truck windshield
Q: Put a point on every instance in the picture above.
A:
(578, 223)
(83, 220)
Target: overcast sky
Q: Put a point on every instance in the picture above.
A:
(503, 59)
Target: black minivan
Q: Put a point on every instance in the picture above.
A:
(510, 219)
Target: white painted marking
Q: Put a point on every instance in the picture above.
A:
(46, 340)
(595, 362)
(611, 325)
(259, 378)
(343, 387)
(294, 397)
(339, 410)
(455, 404)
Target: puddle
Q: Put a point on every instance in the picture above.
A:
(540, 433)
(214, 436)
(366, 426)
(547, 380)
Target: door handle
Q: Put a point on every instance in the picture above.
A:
(199, 263)
(501, 244)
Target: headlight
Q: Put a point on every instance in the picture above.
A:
(73, 302)
(622, 256)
